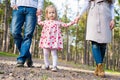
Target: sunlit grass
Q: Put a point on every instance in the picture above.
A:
(113, 72)
(8, 54)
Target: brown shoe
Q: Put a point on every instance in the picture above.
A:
(96, 70)
(101, 71)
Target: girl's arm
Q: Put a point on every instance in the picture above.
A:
(39, 21)
(67, 24)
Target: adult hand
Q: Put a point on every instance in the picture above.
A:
(112, 23)
(39, 12)
(15, 7)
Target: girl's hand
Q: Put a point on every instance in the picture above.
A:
(39, 18)
(39, 12)
(112, 23)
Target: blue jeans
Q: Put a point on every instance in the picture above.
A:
(98, 50)
(23, 16)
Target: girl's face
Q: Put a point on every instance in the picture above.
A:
(51, 14)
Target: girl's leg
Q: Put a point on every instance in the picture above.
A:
(46, 57)
(54, 57)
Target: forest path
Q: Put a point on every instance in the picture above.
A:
(8, 71)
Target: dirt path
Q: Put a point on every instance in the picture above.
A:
(8, 71)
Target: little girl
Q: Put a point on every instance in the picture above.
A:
(51, 38)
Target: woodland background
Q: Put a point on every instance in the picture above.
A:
(76, 48)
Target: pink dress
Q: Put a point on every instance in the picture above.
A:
(51, 34)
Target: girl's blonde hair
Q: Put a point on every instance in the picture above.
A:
(46, 11)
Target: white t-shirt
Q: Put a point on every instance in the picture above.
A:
(30, 3)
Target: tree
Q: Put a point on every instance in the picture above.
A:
(4, 45)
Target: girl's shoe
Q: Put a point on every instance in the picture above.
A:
(54, 69)
(46, 68)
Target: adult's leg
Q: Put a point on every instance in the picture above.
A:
(16, 29)
(101, 71)
(96, 52)
(103, 50)
(29, 26)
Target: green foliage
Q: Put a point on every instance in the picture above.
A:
(117, 33)
(119, 2)
(117, 17)
(44, 77)
(1, 11)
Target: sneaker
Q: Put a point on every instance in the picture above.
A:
(46, 68)
(29, 63)
(20, 64)
(54, 69)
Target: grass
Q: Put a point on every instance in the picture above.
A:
(1, 72)
(44, 77)
(113, 72)
(8, 54)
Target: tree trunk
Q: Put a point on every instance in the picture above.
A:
(15, 49)
(5, 27)
(67, 45)
(8, 41)
(76, 50)
(67, 41)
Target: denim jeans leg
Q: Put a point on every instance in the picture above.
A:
(29, 26)
(96, 52)
(16, 28)
(103, 50)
